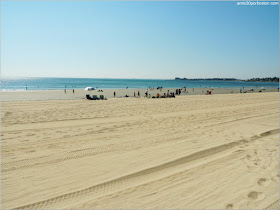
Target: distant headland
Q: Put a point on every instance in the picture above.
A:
(266, 79)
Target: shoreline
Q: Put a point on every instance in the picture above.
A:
(30, 95)
(210, 87)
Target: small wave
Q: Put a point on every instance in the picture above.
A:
(11, 90)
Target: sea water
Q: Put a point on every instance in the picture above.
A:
(13, 84)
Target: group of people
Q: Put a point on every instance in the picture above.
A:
(147, 95)
(178, 91)
(169, 95)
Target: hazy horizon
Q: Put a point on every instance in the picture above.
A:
(23, 77)
(138, 40)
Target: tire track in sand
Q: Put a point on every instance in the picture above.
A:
(136, 178)
(27, 163)
(127, 146)
(274, 205)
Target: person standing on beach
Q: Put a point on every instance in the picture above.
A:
(134, 94)
(114, 94)
(138, 93)
(146, 93)
(64, 90)
(73, 91)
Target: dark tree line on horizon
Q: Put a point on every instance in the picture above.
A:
(266, 79)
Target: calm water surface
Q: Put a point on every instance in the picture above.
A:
(8, 84)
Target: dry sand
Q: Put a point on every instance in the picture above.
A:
(188, 152)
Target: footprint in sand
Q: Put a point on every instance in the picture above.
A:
(262, 181)
(256, 195)
(229, 206)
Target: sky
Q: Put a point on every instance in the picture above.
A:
(138, 39)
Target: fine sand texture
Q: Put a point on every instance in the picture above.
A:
(190, 152)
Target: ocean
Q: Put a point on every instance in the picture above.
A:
(18, 84)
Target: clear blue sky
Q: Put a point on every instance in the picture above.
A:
(138, 39)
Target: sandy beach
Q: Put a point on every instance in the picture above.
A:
(109, 93)
(194, 151)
